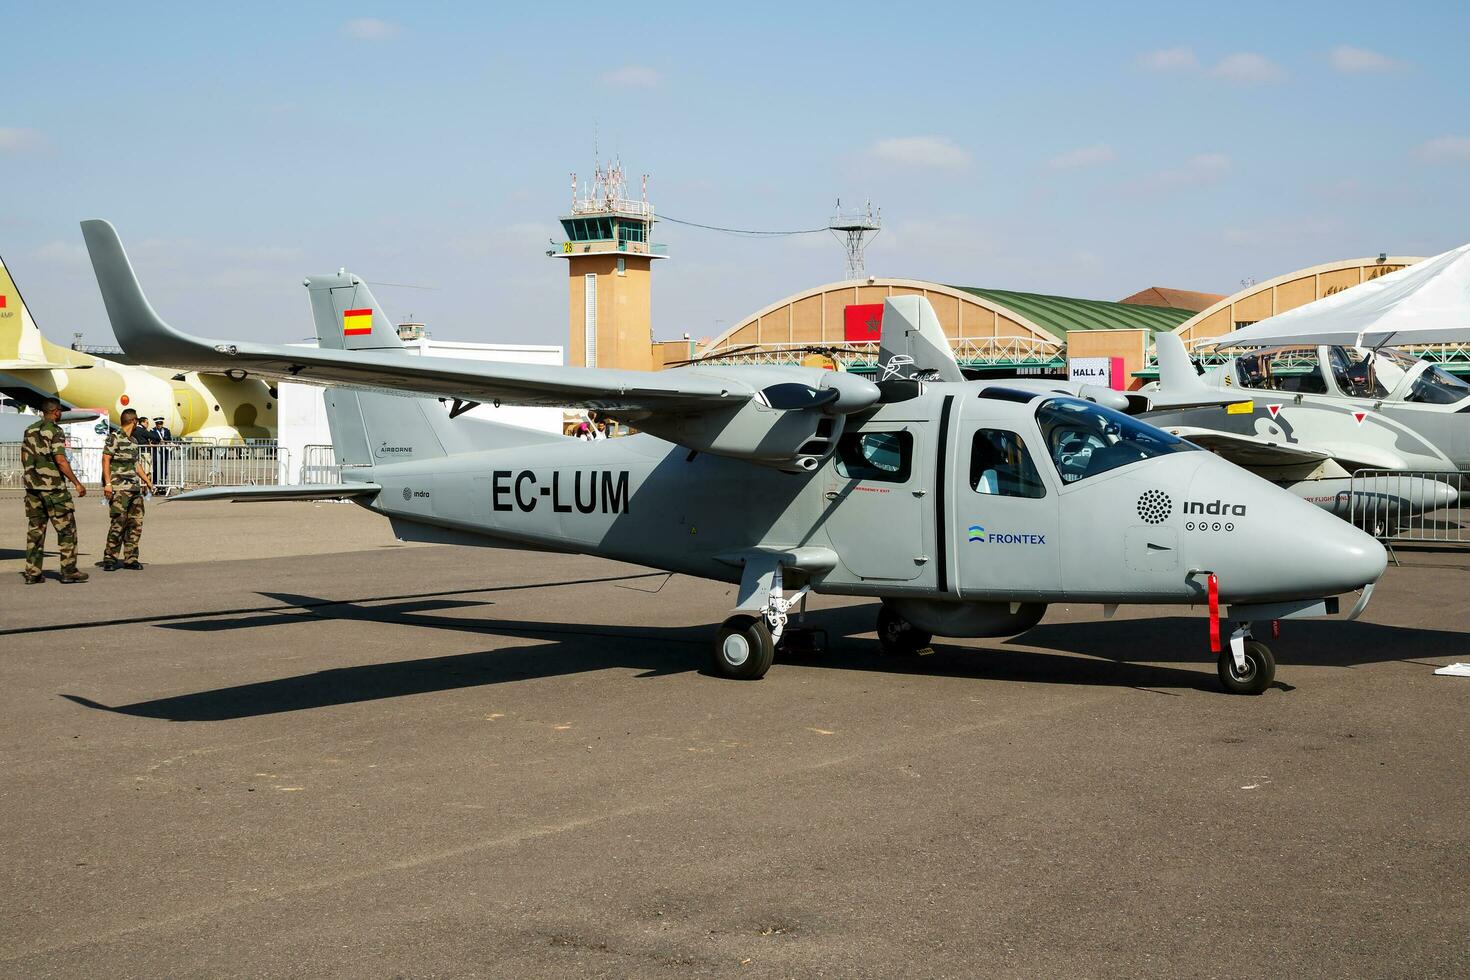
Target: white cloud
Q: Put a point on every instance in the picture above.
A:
(369, 29)
(1444, 149)
(1247, 68)
(632, 76)
(938, 152)
(1082, 157)
(17, 140)
(66, 253)
(1198, 171)
(1350, 60)
(1168, 59)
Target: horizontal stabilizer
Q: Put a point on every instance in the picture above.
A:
(320, 491)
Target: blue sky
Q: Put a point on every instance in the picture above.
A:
(1080, 149)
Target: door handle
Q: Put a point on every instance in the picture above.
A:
(832, 494)
(920, 492)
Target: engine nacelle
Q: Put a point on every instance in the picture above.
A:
(792, 421)
(948, 618)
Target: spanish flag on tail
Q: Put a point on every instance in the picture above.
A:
(357, 323)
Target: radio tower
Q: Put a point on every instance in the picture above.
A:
(852, 228)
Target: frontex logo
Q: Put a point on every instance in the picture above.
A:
(978, 533)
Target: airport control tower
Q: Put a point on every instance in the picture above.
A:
(610, 254)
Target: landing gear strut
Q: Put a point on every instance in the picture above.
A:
(897, 636)
(1246, 665)
(746, 644)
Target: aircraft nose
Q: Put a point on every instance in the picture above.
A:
(1267, 543)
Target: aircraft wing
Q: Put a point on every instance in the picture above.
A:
(1254, 452)
(23, 365)
(148, 339)
(1248, 451)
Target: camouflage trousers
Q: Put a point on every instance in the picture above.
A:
(54, 506)
(126, 529)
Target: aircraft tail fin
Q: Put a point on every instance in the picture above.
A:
(373, 428)
(913, 342)
(1179, 382)
(21, 345)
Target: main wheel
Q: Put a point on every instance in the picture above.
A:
(1260, 669)
(897, 636)
(744, 649)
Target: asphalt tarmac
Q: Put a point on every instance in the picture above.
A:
(290, 747)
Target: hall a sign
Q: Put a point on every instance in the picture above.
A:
(1104, 371)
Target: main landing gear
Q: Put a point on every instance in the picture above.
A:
(897, 636)
(1246, 665)
(746, 644)
(744, 648)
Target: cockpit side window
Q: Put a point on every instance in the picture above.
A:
(1000, 465)
(1354, 373)
(1086, 439)
(1293, 369)
(885, 457)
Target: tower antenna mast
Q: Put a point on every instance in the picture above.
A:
(853, 229)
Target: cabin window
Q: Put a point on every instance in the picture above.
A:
(1000, 465)
(1290, 369)
(886, 457)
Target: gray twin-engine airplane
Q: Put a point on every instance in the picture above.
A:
(966, 507)
(1309, 417)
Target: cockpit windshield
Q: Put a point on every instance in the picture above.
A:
(1379, 373)
(1436, 386)
(1086, 439)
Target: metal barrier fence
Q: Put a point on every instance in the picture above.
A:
(1420, 506)
(175, 465)
(319, 465)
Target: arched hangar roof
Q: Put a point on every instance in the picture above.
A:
(816, 315)
(1261, 300)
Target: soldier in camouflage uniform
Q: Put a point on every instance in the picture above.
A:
(124, 481)
(43, 457)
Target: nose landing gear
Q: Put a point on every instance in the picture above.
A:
(1246, 665)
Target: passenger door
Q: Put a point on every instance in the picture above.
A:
(878, 503)
(1006, 509)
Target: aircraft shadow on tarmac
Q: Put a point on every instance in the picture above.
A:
(1092, 653)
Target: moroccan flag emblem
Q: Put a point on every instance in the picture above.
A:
(862, 323)
(357, 323)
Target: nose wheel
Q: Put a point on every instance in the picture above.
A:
(1250, 672)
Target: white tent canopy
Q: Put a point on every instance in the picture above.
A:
(1425, 303)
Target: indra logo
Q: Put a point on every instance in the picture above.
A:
(410, 493)
(978, 533)
(1155, 506)
(407, 493)
(1213, 508)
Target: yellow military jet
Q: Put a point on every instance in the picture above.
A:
(194, 405)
